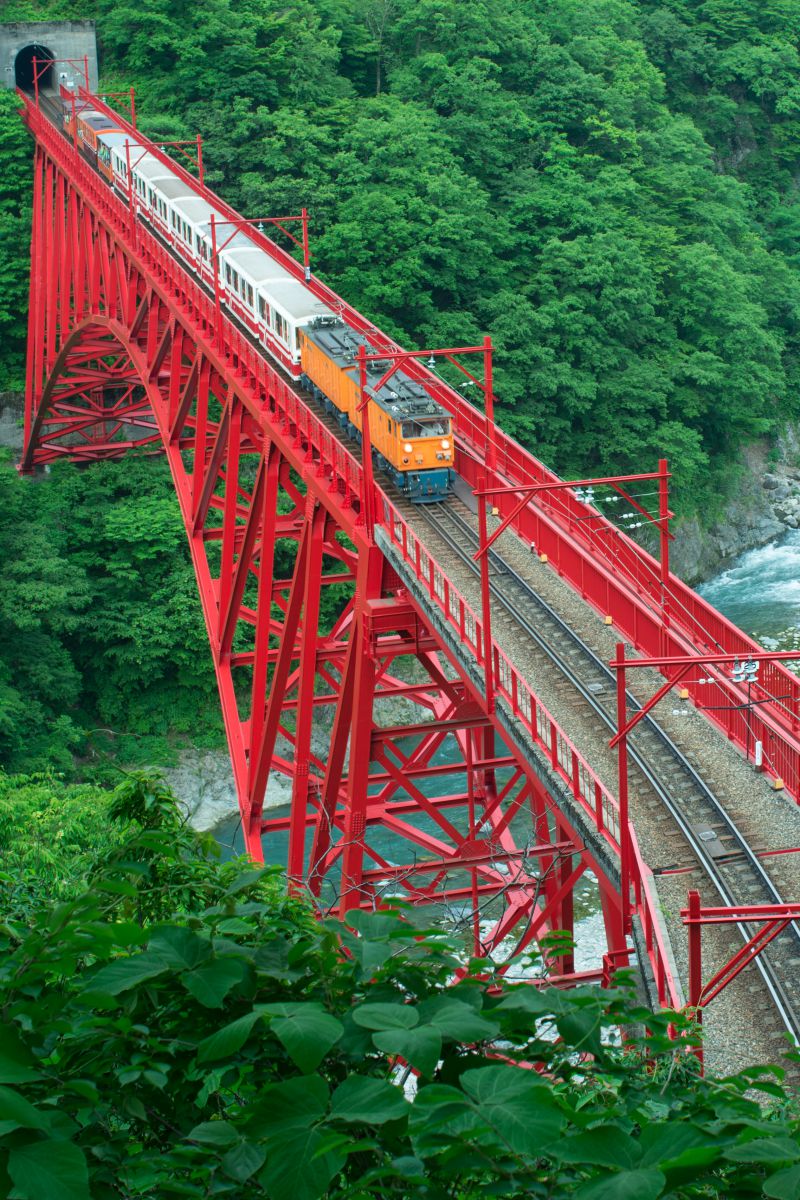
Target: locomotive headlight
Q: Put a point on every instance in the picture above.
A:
(408, 447)
(445, 444)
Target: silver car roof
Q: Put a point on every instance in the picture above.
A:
(197, 210)
(151, 167)
(114, 137)
(296, 300)
(171, 187)
(259, 266)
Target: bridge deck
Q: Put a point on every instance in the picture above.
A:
(741, 1027)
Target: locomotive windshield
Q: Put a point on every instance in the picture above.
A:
(432, 427)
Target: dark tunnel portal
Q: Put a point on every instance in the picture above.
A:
(23, 67)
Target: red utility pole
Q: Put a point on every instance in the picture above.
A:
(368, 498)
(486, 601)
(622, 796)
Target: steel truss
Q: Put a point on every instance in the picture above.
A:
(327, 671)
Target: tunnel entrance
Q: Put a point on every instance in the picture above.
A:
(23, 67)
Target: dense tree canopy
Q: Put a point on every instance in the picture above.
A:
(605, 186)
(100, 628)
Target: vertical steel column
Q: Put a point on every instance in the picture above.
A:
(486, 599)
(33, 371)
(368, 586)
(261, 755)
(230, 529)
(337, 752)
(316, 520)
(51, 286)
(368, 498)
(696, 963)
(269, 512)
(565, 965)
(622, 769)
(491, 448)
(355, 822)
(215, 269)
(306, 256)
(663, 518)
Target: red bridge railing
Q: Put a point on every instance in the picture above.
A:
(583, 783)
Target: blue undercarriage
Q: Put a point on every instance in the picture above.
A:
(422, 487)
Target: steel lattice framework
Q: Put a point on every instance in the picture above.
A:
(127, 353)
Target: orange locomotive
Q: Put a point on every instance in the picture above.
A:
(90, 122)
(411, 434)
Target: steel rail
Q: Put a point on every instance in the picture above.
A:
(437, 516)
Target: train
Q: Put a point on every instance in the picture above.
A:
(410, 432)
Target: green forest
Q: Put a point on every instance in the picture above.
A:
(609, 188)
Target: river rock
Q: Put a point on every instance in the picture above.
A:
(770, 482)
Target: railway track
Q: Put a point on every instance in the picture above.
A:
(661, 772)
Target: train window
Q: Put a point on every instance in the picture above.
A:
(391, 425)
(262, 308)
(227, 273)
(429, 428)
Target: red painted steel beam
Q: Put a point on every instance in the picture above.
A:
(119, 308)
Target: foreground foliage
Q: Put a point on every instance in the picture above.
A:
(182, 1028)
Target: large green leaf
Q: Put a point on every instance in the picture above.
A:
(765, 1150)
(229, 1039)
(783, 1185)
(295, 1104)
(243, 1160)
(385, 1016)
(624, 1185)
(603, 1146)
(672, 1146)
(55, 1170)
(125, 973)
(179, 947)
(210, 984)
(298, 1166)
(306, 1030)
(371, 1101)
(421, 1047)
(458, 1021)
(17, 1113)
(16, 1061)
(214, 1133)
(523, 1112)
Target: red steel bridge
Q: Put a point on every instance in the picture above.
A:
(488, 805)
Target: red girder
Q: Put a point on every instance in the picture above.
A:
(125, 352)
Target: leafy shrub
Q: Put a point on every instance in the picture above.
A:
(185, 1028)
